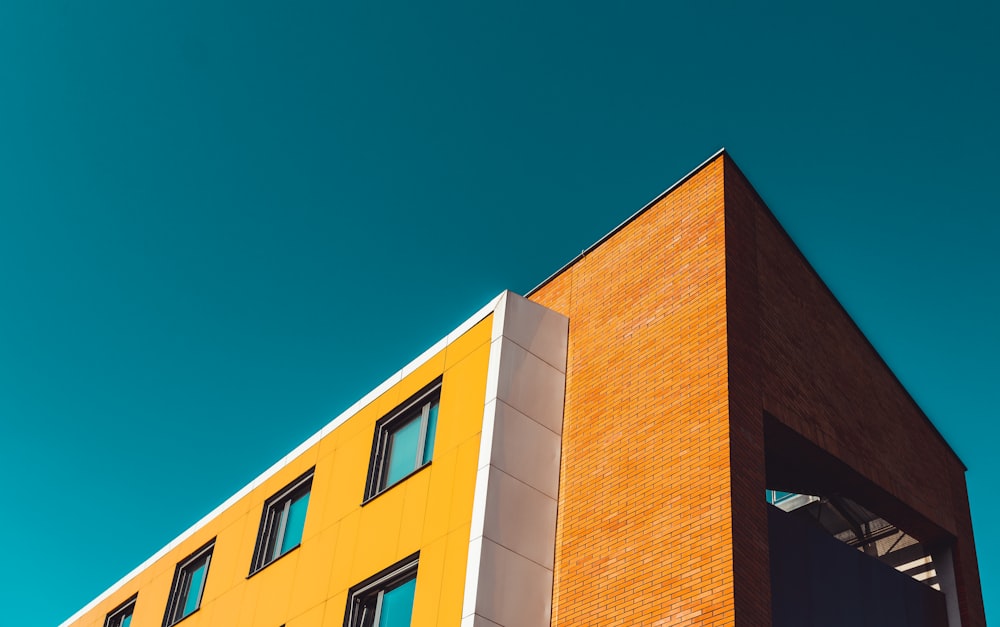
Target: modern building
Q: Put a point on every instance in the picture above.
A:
(682, 426)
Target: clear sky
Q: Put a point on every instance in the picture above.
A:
(222, 222)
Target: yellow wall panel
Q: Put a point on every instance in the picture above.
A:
(311, 618)
(195, 619)
(226, 607)
(349, 469)
(453, 579)
(343, 556)
(420, 377)
(275, 591)
(356, 425)
(283, 477)
(378, 536)
(248, 607)
(474, 338)
(429, 576)
(344, 541)
(433, 562)
(462, 398)
(312, 576)
(329, 442)
(464, 485)
(414, 506)
(235, 511)
(151, 604)
(324, 483)
(439, 495)
(230, 563)
(334, 614)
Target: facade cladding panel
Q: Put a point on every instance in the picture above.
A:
(600, 456)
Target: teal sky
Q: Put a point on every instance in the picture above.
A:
(221, 223)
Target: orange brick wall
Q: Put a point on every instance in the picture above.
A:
(690, 328)
(644, 534)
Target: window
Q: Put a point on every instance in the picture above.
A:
(122, 615)
(385, 600)
(282, 522)
(404, 439)
(189, 583)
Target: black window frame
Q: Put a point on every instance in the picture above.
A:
(116, 616)
(389, 424)
(179, 588)
(364, 599)
(272, 528)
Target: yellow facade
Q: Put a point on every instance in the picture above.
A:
(343, 542)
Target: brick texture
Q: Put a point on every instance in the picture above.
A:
(692, 329)
(645, 527)
(751, 555)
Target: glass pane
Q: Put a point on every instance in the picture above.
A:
(397, 605)
(402, 451)
(279, 518)
(127, 621)
(296, 521)
(194, 590)
(432, 421)
(781, 496)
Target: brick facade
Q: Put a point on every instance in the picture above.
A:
(644, 535)
(692, 328)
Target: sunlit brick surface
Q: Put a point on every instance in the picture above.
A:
(689, 327)
(644, 535)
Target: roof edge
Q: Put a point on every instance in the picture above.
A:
(720, 152)
(850, 318)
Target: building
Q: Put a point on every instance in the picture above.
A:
(680, 427)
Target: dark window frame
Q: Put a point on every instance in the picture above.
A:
(116, 617)
(180, 590)
(273, 519)
(364, 599)
(399, 417)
